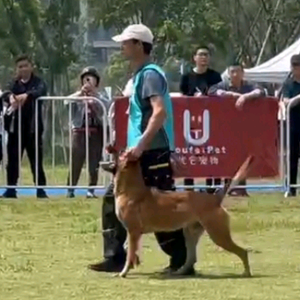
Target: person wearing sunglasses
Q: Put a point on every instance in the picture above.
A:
(201, 78)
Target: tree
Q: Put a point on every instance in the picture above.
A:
(236, 29)
(117, 72)
(178, 25)
(47, 33)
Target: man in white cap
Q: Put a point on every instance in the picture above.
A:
(150, 139)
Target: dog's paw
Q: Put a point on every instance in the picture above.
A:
(137, 260)
(247, 274)
(120, 275)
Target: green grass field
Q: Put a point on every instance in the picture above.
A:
(45, 247)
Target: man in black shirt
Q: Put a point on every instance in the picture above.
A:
(22, 93)
(201, 78)
(291, 89)
(197, 83)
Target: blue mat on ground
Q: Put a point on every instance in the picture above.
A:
(100, 192)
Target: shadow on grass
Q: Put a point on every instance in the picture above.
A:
(200, 276)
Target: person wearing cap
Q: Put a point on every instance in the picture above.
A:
(242, 91)
(291, 90)
(150, 139)
(90, 81)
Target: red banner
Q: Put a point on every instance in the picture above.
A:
(213, 137)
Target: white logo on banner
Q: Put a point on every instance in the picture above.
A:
(201, 135)
(196, 134)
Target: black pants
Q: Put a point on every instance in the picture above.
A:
(294, 153)
(28, 144)
(114, 235)
(209, 181)
(1, 149)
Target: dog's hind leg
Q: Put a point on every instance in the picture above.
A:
(217, 227)
(192, 234)
(132, 258)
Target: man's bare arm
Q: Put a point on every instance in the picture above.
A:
(295, 100)
(254, 94)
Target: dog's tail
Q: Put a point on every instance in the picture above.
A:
(241, 174)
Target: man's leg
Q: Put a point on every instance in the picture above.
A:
(95, 154)
(114, 236)
(189, 183)
(12, 168)
(30, 146)
(1, 149)
(209, 182)
(242, 192)
(172, 243)
(294, 156)
(78, 156)
(217, 181)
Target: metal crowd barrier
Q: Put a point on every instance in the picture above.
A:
(283, 184)
(54, 100)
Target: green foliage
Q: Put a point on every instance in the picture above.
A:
(47, 33)
(178, 25)
(233, 28)
(117, 72)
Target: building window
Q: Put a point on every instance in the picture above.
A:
(100, 55)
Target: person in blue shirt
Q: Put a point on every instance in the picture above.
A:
(150, 139)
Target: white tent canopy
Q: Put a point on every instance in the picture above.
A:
(274, 70)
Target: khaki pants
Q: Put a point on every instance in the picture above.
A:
(79, 155)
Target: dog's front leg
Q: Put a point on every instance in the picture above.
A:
(132, 258)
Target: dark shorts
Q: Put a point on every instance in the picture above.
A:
(157, 170)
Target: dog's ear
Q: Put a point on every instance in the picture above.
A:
(109, 167)
(111, 149)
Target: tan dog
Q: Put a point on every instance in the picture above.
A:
(145, 210)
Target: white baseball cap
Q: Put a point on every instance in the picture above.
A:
(138, 32)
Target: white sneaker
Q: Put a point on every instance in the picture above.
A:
(290, 194)
(90, 195)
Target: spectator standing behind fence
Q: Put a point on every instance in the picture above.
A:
(90, 81)
(22, 94)
(1, 125)
(242, 91)
(196, 83)
(291, 89)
